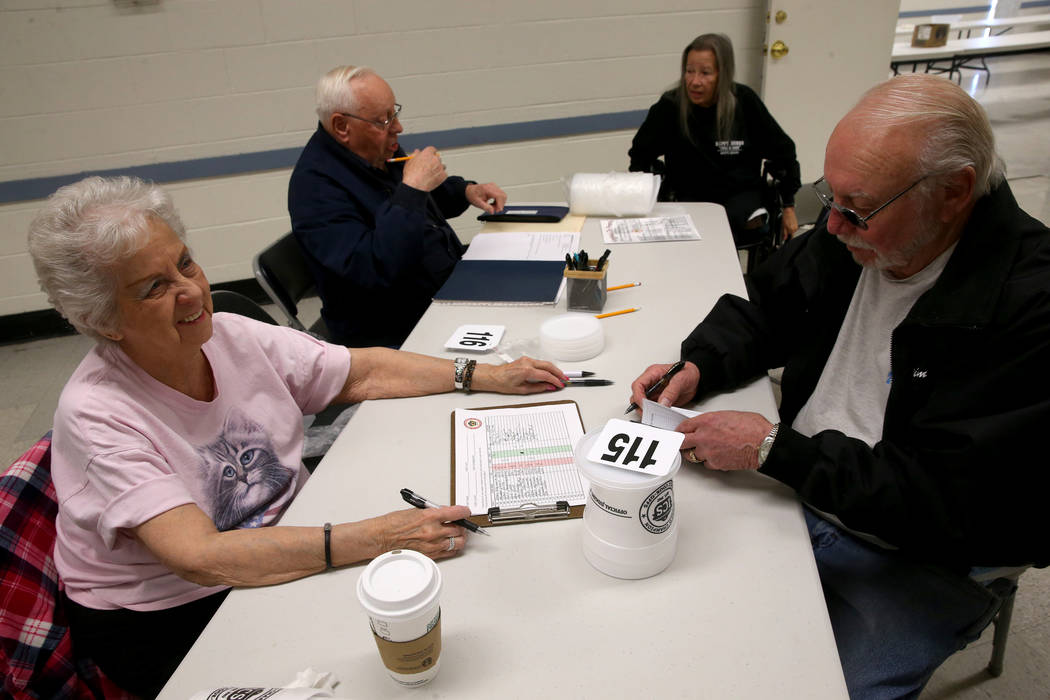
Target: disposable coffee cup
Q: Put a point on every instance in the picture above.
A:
(400, 591)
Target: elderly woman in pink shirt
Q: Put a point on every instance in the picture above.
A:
(178, 440)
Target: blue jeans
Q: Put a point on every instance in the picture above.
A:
(895, 621)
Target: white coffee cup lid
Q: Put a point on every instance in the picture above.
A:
(399, 583)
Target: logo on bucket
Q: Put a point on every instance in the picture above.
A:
(610, 509)
(657, 511)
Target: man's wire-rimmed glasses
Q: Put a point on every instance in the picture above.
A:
(378, 123)
(852, 217)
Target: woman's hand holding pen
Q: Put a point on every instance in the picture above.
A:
(680, 389)
(523, 376)
(424, 171)
(425, 531)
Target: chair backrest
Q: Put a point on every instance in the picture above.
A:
(808, 206)
(234, 303)
(282, 273)
(36, 648)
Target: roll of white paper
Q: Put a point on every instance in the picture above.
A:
(613, 194)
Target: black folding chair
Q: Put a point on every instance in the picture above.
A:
(282, 273)
(235, 303)
(763, 245)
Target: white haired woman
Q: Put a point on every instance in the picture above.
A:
(714, 134)
(177, 441)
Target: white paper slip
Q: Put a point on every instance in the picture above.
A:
(666, 417)
(475, 338)
(661, 228)
(636, 447)
(517, 245)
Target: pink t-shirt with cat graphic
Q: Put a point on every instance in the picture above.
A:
(127, 448)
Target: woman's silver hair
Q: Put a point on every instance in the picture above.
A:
(725, 99)
(334, 92)
(83, 233)
(954, 128)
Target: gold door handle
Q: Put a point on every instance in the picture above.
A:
(779, 49)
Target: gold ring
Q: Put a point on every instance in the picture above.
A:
(691, 456)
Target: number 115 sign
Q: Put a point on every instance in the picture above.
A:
(636, 447)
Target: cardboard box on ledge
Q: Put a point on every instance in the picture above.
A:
(928, 36)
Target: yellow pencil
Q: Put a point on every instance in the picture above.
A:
(617, 313)
(399, 160)
(624, 286)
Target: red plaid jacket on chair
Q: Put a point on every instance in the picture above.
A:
(36, 650)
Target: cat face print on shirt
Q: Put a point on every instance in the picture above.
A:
(240, 472)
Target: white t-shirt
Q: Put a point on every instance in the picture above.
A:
(127, 448)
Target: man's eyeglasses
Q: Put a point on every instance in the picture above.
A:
(852, 217)
(378, 123)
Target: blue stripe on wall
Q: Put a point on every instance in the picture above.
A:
(969, 10)
(241, 163)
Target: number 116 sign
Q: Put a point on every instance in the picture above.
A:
(636, 447)
(475, 338)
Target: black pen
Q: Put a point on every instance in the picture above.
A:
(568, 262)
(601, 260)
(418, 501)
(660, 384)
(588, 382)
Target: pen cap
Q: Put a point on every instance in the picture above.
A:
(399, 584)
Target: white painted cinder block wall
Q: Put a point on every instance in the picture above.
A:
(89, 85)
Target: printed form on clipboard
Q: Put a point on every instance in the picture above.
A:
(519, 460)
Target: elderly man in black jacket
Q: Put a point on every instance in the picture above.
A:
(915, 341)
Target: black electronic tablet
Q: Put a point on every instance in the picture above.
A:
(523, 213)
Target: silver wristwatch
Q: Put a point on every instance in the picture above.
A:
(461, 368)
(767, 444)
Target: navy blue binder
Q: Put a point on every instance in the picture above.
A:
(503, 282)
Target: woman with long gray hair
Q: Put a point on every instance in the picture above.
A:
(713, 135)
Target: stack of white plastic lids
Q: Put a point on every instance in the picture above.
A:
(613, 194)
(571, 337)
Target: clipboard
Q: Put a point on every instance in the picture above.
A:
(525, 512)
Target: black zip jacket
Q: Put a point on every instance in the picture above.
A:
(961, 475)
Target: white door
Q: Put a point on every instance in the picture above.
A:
(835, 51)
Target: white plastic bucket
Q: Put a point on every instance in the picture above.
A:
(629, 525)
